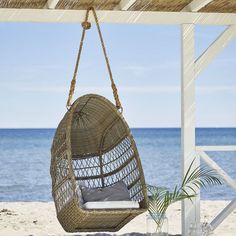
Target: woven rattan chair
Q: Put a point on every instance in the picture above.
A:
(93, 145)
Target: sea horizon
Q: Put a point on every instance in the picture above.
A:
(200, 127)
(25, 160)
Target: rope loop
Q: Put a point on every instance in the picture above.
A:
(87, 25)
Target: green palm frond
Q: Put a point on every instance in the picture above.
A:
(160, 198)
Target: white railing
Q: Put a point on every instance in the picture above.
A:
(201, 152)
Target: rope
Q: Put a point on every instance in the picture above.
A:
(87, 25)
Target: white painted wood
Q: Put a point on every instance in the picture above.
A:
(215, 48)
(223, 214)
(190, 211)
(231, 182)
(123, 17)
(216, 148)
(51, 4)
(196, 5)
(228, 180)
(125, 5)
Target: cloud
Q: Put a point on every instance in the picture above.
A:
(223, 62)
(130, 89)
(151, 89)
(105, 89)
(144, 69)
(31, 68)
(215, 89)
(54, 89)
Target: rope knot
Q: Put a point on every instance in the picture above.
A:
(86, 25)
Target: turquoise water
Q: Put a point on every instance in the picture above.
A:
(25, 160)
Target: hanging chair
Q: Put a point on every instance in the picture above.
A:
(93, 147)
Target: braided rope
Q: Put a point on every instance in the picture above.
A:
(86, 25)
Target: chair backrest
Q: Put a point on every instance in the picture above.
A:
(95, 145)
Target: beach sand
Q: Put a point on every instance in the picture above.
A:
(39, 219)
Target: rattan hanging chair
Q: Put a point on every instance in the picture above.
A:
(93, 145)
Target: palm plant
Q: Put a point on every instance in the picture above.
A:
(160, 198)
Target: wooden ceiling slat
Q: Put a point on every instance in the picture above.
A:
(224, 6)
(160, 5)
(36, 4)
(221, 6)
(84, 4)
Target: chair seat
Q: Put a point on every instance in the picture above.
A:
(112, 205)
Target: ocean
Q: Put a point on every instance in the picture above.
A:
(25, 160)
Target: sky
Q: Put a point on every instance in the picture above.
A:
(37, 63)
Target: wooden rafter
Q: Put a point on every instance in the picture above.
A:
(214, 49)
(114, 16)
(124, 5)
(51, 4)
(196, 5)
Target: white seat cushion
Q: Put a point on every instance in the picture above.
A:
(112, 205)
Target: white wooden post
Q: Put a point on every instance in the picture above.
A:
(190, 211)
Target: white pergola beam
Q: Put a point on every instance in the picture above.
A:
(214, 49)
(51, 4)
(216, 148)
(124, 5)
(196, 5)
(190, 209)
(114, 16)
(231, 182)
(223, 214)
